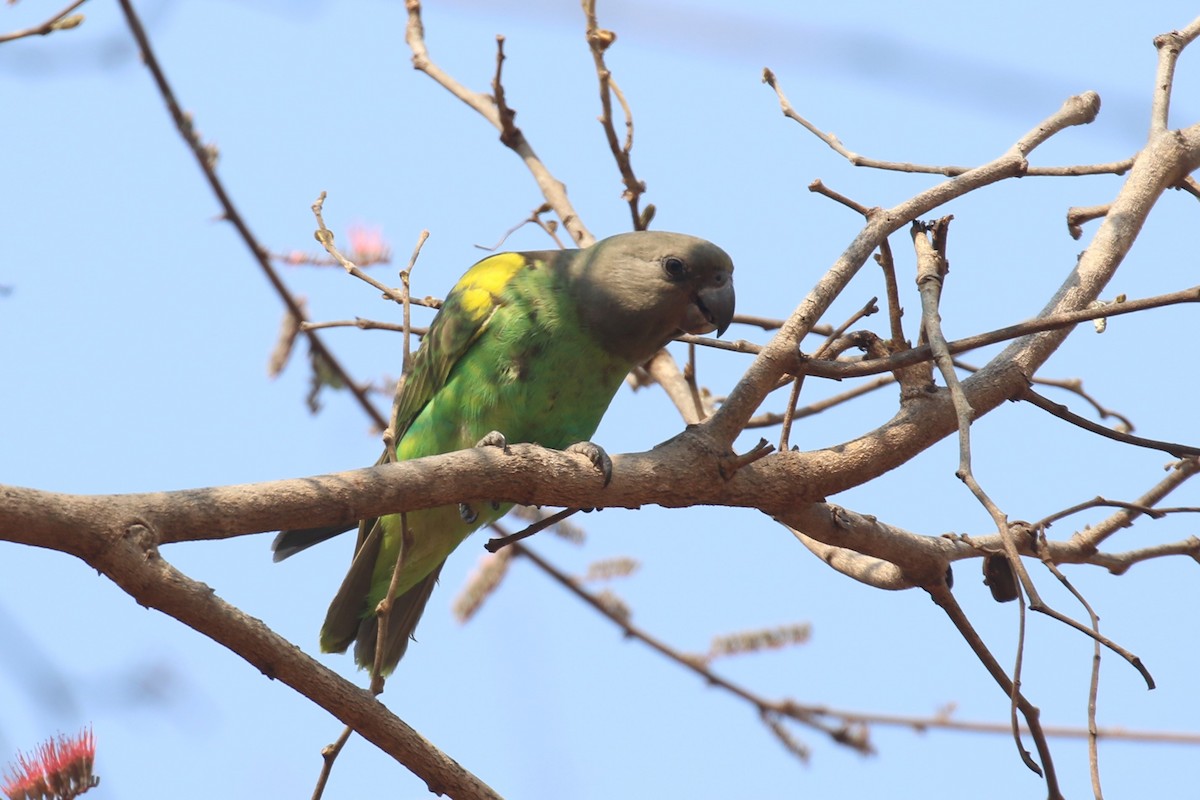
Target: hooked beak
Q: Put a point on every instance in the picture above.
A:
(712, 308)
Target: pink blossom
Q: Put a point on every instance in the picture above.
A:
(367, 245)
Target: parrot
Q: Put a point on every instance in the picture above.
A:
(527, 347)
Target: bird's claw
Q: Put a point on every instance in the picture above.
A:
(594, 453)
(494, 439)
(490, 439)
(469, 515)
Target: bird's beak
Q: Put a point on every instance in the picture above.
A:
(713, 307)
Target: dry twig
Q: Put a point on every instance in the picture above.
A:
(205, 157)
(496, 112)
(62, 21)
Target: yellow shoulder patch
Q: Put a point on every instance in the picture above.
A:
(486, 280)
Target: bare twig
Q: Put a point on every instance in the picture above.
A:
(1094, 682)
(697, 666)
(61, 21)
(329, 755)
(497, 544)
(325, 237)
(1063, 413)
(826, 347)
(1073, 385)
(944, 598)
(548, 225)
(817, 406)
(599, 40)
(1169, 45)
(406, 282)
(836, 724)
(206, 159)
(552, 189)
(367, 248)
(895, 311)
(931, 270)
(383, 609)
(856, 369)
(1089, 539)
(1132, 658)
(780, 355)
(819, 187)
(390, 433)
(1101, 502)
(1119, 563)
(736, 346)
(730, 464)
(1190, 186)
(1081, 547)
(1114, 168)
(366, 325)
(944, 721)
(1077, 216)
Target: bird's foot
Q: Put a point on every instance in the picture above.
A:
(491, 439)
(494, 439)
(594, 453)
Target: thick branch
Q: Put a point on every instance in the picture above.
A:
(128, 555)
(682, 472)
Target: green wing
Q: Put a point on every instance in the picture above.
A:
(462, 319)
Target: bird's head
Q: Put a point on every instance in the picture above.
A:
(636, 291)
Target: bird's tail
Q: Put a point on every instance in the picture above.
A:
(401, 626)
(288, 543)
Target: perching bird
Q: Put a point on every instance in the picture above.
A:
(530, 346)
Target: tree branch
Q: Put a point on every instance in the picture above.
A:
(206, 158)
(127, 553)
(489, 108)
(61, 21)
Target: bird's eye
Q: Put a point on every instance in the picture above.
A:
(674, 267)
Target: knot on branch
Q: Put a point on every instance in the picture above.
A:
(600, 39)
(143, 537)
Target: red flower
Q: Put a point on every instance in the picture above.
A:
(60, 769)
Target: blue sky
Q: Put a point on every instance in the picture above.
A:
(137, 329)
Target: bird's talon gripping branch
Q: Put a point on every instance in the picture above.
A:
(594, 453)
(490, 439)
(494, 439)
